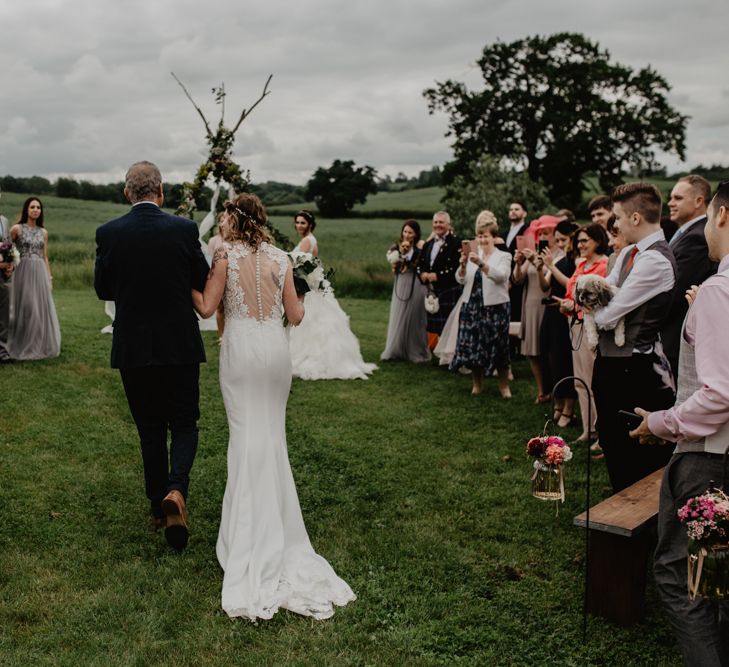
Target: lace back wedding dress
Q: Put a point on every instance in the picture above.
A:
(263, 546)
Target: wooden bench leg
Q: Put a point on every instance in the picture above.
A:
(617, 576)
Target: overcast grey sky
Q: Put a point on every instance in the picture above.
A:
(87, 88)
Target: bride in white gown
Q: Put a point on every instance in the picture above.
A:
(323, 347)
(263, 547)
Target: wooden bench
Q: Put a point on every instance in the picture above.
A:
(620, 541)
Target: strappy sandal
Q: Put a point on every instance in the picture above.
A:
(571, 420)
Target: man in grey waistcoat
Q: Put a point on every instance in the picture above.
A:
(699, 425)
(645, 275)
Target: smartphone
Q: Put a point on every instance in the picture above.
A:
(631, 419)
(543, 244)
(465, 247)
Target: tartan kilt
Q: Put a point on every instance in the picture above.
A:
(447, 300)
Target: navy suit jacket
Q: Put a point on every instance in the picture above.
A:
(693, 267)
(147, 262)
(445, 265)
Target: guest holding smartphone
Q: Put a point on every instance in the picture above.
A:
(483, 326)
(526, 271)
(554, 335)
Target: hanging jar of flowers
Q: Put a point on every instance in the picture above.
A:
(550, 453)
(707, 523)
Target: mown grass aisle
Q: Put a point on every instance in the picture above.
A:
(416, 492)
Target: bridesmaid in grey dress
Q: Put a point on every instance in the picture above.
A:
(34, 331)
(406, 330)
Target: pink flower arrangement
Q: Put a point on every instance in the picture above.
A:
(550, 449)
(707, 518)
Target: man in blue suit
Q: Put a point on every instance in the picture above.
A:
(147, 262)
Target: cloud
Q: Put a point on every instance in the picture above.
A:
(87, 86)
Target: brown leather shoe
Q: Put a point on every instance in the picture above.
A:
(176, 530)
(156, 522)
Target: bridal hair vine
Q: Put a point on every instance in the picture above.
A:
(243, 214)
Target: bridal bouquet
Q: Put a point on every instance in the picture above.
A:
(550, 453)
(707, 524)
(9, 253)
(309, 273)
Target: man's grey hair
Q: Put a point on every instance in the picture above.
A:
(444, 215)
(142, 181)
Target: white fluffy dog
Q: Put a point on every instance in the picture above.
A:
(595, 292)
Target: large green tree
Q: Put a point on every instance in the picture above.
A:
(336, 189)
(559, 107)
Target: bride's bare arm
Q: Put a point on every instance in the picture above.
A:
(207, 302)
(292, 303)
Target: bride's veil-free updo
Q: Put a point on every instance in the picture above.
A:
(247, 220)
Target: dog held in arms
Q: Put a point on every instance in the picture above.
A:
(594, 292)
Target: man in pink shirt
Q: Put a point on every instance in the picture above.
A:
(699, 425)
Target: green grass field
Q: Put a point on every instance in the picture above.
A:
(354, 247)
(417, 492)
(426, 201)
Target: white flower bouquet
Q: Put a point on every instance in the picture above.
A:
(309, 273)
(9, 253)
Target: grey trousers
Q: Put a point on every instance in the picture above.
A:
(4, 316)
(701, 626)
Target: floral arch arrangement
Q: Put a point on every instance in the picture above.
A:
(219, 165)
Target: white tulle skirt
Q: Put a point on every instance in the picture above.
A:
(263, 546)
(323, 346)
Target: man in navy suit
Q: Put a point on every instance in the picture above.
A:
(147, 262)
(687, 205)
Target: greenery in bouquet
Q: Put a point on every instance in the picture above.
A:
(707, 518)
(549, 450)
(309, 273)
(9, 253)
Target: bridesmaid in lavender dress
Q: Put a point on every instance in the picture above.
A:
(34, 331)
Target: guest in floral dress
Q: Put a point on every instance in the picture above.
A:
(483, 326)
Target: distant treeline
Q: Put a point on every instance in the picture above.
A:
(425, 179)
(271, 193)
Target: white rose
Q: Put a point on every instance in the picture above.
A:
(315, 278)
(299, 258)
